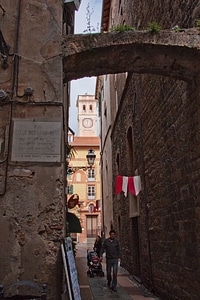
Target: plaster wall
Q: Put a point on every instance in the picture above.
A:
(79, 180)
(106, 168)
(32, 200)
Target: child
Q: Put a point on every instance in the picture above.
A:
(92, 258)
(95, 258)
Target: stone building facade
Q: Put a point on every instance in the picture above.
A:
(154, 131)
(33, 119)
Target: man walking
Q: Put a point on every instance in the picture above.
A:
(111, 247)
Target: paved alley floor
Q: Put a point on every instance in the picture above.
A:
(96, 288)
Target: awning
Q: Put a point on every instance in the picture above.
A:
(74, 225)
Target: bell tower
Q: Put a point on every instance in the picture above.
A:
(87, 115)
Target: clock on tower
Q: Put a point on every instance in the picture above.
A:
(87, 122)
(87, 115)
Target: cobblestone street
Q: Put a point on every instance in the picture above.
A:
(96, 288)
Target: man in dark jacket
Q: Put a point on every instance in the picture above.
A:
(111, 247)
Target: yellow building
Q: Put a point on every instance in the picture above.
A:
(82, 179)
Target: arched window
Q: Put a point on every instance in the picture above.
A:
(117, 163)
(91, 208)
(133, 201)
(130, 152)
(78, 177)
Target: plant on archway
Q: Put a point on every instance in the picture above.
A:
(154, 27)
(122, 28)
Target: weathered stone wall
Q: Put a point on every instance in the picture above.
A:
(167, 139)
(183, 13)
(167, 52)
(164, 116)
(32, 195)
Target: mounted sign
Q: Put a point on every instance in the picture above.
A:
(36, 140)
(71, 269)
(73, 201)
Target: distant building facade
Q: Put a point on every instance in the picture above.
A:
(85, 182)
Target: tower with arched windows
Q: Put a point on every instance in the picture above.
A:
(87, 115)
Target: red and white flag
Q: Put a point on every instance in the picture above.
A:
(134, 185)
(121, 184)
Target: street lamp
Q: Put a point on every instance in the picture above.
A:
(90, 159)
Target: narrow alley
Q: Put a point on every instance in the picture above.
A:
(96, 288)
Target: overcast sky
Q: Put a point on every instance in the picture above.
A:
(84, 85)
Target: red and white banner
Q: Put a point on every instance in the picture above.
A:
(134, 185)
(121, 184)
(125, 184)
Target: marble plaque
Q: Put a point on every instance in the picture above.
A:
(36, 141)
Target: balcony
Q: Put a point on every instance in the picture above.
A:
(91, 197)
(91, 179)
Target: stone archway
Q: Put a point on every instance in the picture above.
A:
(168, 53)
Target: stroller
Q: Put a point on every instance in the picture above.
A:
(94, 264)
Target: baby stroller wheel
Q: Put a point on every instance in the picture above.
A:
(91, 274)
(102, 274)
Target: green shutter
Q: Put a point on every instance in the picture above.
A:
(71, 189)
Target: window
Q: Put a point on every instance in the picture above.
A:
(91, 192)
(83, 108)
(90, 108)
(70, 189)
(91, 176)
(70, 138)
(78, 177)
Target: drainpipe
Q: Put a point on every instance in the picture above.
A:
(15, 74)
(16, 57)
(102, 197)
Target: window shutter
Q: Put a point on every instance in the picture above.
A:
(71, 189)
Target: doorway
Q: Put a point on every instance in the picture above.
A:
(92, 226)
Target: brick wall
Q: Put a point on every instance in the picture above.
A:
(180, 12)
(164, 116)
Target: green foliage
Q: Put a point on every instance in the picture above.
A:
(176, 28)
(122, 28)
(70, 150)
(154, 27)
(198, 24)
